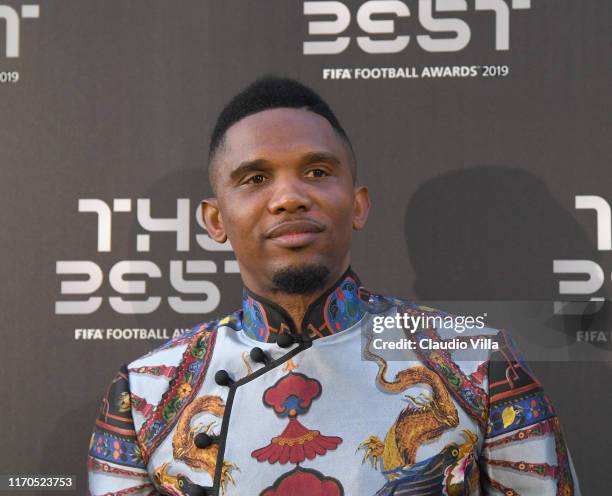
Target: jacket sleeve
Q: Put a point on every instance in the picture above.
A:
(115, 465)
(524, 452)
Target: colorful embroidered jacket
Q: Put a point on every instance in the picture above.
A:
(250, 406)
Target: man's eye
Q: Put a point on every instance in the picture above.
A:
(256, 179)
(317, 173)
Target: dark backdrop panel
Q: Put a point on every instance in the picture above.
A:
(473, 182)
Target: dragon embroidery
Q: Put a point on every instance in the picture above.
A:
(424, 419)
(183, 445)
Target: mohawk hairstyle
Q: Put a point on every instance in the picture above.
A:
(267, 93)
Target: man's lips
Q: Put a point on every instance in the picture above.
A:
(294, 233)
(293, 227)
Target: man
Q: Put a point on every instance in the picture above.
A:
(289, 395)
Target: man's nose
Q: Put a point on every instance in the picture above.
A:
(290, 196)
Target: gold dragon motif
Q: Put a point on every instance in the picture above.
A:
(184, 448)
(425, 419)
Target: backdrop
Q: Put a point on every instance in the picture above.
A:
(482, 128)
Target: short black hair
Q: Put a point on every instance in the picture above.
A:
(269, 92)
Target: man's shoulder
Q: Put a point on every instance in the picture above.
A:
(174, 347)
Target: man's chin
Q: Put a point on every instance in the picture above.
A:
(300, 278)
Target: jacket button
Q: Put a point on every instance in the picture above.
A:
(223, 378)
(203, 440)
(259, 355)
(284, 340)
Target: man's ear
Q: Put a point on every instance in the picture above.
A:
(211, 216)
(361, 207)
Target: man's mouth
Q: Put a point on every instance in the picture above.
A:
(294, 233)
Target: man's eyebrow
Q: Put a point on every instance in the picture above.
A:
(247, 166)
(261, 164)
(312, 157)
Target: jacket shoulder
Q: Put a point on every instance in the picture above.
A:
(232, 320)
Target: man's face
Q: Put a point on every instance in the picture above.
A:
(285, 195)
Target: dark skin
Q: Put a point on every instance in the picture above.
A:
(285, 197)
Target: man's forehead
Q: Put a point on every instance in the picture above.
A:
(281, 130)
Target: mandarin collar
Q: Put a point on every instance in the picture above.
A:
(337, 309)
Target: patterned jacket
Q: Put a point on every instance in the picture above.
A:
(249, 405)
